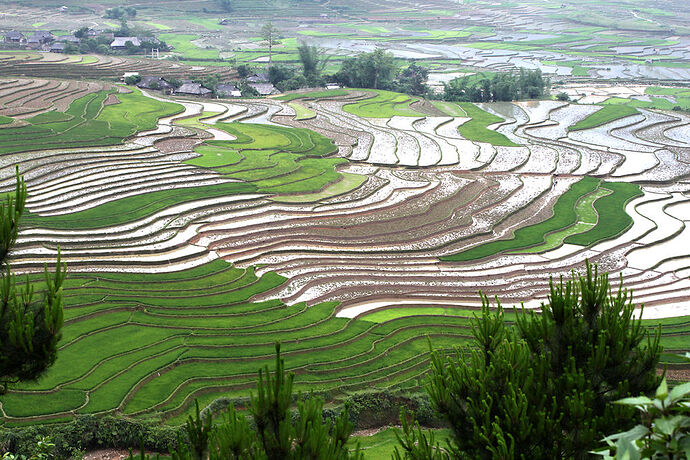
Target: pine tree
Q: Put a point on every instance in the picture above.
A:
(276, 436)
(543, 389)
(29, 325)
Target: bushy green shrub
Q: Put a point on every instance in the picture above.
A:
(89, 432)
(664, 429)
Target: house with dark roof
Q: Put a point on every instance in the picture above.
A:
(155, 83)
(14, 37)
(57, 48)
(264, 89)
(120, 43)
(225, 90)
(68, 39)
(40, 37)
(190, 88)
(261, 77)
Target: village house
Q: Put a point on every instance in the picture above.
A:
(120, 43)
(39, 38)
(68, 39)
(225, 90)
(261, 77)
(190, 88)
(14, 37)
(57, 48)
(155, 83)
(264, 89)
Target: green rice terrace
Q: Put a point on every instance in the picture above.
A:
(198, 233)
(355, 226)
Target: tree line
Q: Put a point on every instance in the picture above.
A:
(379, 70)
(503, 86)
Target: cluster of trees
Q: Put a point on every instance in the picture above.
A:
(378, 70)
(287, 78)
(503, 86)
(120, 12)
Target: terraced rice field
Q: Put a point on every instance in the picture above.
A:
(197, 242)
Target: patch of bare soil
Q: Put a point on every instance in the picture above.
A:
(373, 431)
(427, 108)
(111, 100)
(677, 375)
(176, 145)
(107, 454)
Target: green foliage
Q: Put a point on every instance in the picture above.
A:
(132, 79)
(415, 444)
(606, 114)
(664, 431)
(30, 328)
(120, 12)
(412, 80)
(225, 5)
(88, 432)
(271, 36)
(501, 86)
(312, 62)
(309, 437)
(43, 450)
(544, 388)
(368, 70)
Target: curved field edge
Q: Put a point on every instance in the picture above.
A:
(383, 104)
(566, 224)
(133, 208)
(563, 216)
(613, 208)
(88, 122)
(165, 331)
(606, 114)
(288, 162)
(476, 128)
